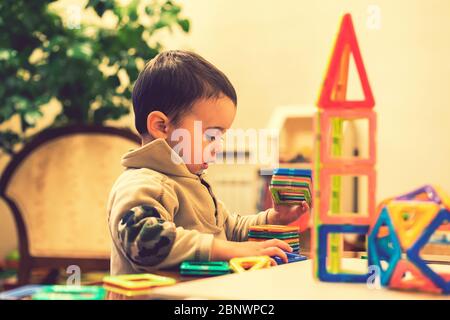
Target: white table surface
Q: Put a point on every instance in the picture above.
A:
(293, 281)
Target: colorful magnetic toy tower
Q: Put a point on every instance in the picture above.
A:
(331, 165)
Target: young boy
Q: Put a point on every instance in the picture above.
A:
(161, 209)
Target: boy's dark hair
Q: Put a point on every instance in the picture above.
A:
(172, 82)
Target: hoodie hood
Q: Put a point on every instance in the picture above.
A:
(158, 156)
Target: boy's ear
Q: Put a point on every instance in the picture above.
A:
(157, 124)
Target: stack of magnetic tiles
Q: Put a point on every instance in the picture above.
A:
(288, 234)
(291, 186)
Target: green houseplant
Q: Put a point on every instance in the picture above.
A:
(81, 65)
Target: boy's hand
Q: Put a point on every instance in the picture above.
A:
(226, 250)
(285, 214)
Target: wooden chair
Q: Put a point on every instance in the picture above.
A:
(57, 188)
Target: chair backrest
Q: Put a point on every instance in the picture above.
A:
(60, 184)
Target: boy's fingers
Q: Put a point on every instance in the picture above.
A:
(273, 262)
(305, 205)
(275, 251)
(280, 244)
(308, 207)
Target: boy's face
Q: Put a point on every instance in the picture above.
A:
(198, 136)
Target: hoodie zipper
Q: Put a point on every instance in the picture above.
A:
(206, 184)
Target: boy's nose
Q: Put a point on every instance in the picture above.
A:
(218, 147)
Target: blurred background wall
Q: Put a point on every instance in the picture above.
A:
(276, 53)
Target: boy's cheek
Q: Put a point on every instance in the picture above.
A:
(198, 152)
(211, 150)
(218, 146)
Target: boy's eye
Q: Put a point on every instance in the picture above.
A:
(212, 135)
(212, 138)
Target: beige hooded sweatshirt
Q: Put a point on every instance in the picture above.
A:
(161, 214)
